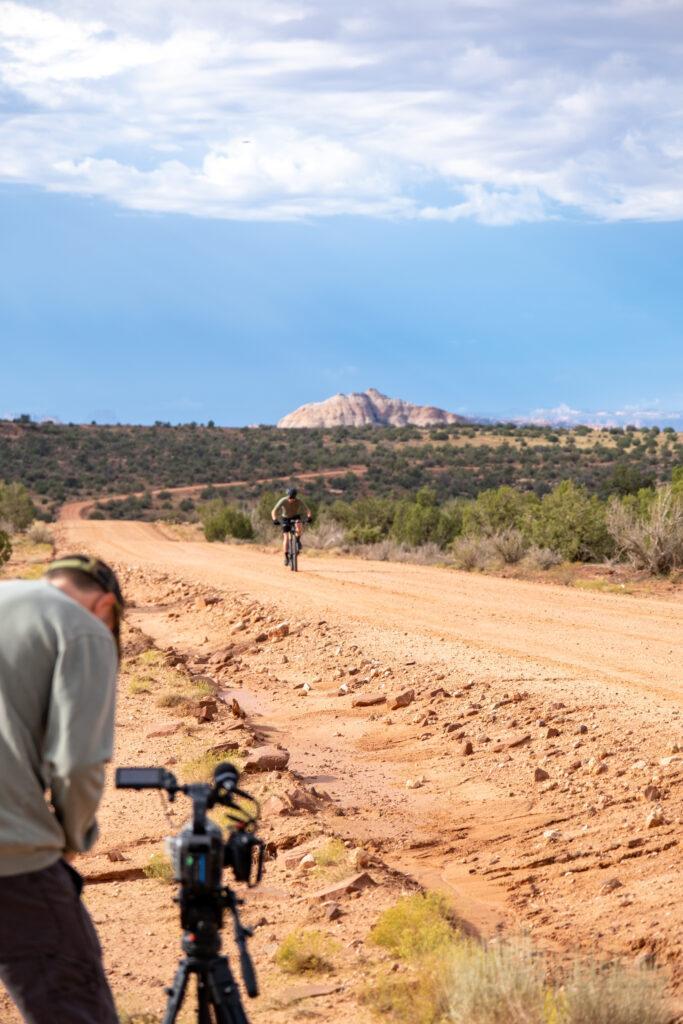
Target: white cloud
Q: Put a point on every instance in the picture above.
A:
(507, 110)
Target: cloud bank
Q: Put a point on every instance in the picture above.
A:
(500, 111)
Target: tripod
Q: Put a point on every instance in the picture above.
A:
(216, 987)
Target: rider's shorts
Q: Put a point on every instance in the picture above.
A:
(286, 522)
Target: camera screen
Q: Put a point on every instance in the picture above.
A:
(140, 778)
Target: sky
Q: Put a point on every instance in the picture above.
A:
(214, 209)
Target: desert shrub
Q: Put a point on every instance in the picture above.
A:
(16, 507)
(333, 852)
(422, 521)
(510, 544)
(498, 985)
(220, 521)
(390, 551)
(40, 534)
(496, 510)
(418, 998)
(572, 523)
(326, 534)
(5, 547)
(201, 769)
(472, 553)
(159, 866)
(542, 558)
(365, 521)
(612, 996)
(307, 951)
(653, 539)
(416, 926)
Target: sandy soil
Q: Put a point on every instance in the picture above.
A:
(543, 733)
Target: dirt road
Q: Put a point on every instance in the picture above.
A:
(539, 738)
(637, 643)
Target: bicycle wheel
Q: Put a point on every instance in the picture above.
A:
(293, 552)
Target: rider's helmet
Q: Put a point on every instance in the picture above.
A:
(292, 492)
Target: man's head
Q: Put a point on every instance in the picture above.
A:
(292, 492)
(93, 584)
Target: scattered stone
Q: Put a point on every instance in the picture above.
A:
(359, 858)
(307, 862)
(343, 689)
(266, 759)
(369, 701)
(239, 627)
(582, 730)
(279, 631)
(652, 792)
(237, 709)
(164, 730)
(518, 741)
(416, 783)
(551, 835)
(611, 885)
(333, 911)
(274, 807)
(671, 759)
(552, 733)
(655, 818)
(260, 638)
(301, 800)
(355, 883)
(402, 700)
(467, 748)
(116, 856)
(454, 727)
(541, 775)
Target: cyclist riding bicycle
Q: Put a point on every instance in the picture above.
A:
(287, 509)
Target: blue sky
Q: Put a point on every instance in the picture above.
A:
(221, 211)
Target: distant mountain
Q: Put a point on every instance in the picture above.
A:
(367, 408)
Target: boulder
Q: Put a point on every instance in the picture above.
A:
(368, 701)
(355, 883)
(402, 700)
(266, 759)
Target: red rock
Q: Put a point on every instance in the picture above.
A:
(402, 700)
(540, 775)
(355, 883)
(518, 741)
(368, 702)
(266, 759)
(467, 748)
(164, 730)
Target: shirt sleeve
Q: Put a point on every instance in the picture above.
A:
(80, 733)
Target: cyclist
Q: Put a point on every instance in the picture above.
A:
(287, 509)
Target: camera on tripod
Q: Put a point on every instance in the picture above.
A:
(198, 855)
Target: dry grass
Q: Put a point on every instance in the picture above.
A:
(651, 541)
(510, 545)
(613, 996)
(159, 866)
(201, 769)
(472, 553)
(331, 854)
(307, 951)
(39, 533)
(542, 558)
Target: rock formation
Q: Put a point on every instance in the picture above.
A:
(367, 408)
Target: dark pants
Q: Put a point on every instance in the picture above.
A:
(50, 957)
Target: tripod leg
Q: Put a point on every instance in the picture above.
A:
(176, 993)
(203, 1000)
(224, 994)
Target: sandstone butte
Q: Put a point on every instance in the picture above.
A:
(367, 408)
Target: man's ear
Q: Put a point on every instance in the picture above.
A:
(104, 609)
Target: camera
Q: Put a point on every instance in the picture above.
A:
(198, 855)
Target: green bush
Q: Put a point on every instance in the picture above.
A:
(504, 508)
(572, 523)
(422, 521)
(5, 547)
(416, 926)
(16, 507)
(220, 521)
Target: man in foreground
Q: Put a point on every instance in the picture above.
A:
(289, 508)
(58, 665)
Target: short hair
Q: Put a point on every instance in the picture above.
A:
(81, 580)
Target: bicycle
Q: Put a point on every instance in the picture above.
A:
(293, 543)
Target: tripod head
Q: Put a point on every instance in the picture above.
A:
(199, 853)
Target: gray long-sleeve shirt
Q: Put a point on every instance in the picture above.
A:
(57, 698)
